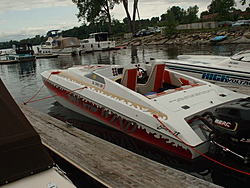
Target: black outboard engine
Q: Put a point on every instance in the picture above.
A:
(232, 126)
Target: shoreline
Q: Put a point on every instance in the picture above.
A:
(235, 36)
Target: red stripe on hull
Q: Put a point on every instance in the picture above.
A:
(119, 123)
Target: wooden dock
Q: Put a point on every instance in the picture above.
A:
(109, 164)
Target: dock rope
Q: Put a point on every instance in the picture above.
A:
(211, 159)
(155, 116)
(63, 93)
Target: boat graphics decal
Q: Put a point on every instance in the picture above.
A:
(93, 87)
(95, 77)
(213, 75)
(122, 123)
(185, 97)
(225, 79)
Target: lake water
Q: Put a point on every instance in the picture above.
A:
(23, 81)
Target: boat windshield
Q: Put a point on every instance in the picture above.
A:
(242, 56)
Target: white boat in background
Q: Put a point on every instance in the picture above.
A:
(56, 44)
(24, 161)
(21, 52)
(223, 70)
(97, 42)
(4, 56)
(170, 110)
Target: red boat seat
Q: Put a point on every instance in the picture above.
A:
(171, 79)
(155, 78)
(185, 81)
(129, 78)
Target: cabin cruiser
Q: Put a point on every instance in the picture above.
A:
(24, 160)
(222, 70)
(21, 52)
(162, 107)
(56, 44)
(97, 42)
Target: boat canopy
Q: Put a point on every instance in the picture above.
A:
(21, 151)
(24, 48)
(67, 42)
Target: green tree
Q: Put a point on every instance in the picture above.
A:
(94, 11)
(221, 6)
(179, 13)
(205, 13)
(163, 17)
(154, 20)
(191, 15)
(170, 23)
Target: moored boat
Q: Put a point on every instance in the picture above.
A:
(46, 55)
(218, 39)
(22, 52)
(224, 70)
(170, 110)
(97, 42)
(56, 44)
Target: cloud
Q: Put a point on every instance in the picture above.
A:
(23, 5)
(26, 18)
(30, 32)
(149, 8)
(155, 8)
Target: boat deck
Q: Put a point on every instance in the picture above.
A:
(8, 61)
(116, 167)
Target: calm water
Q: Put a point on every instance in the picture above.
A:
(23, 80)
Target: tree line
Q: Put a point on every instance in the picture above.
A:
(95, 17)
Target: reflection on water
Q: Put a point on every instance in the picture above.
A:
(23, 80)
(27, 68)
(134, 55)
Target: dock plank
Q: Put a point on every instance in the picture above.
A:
(109, 164)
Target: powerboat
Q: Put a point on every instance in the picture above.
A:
(21, 52)
(56, 44)
(97, 42)
(24, 160)
(170, 110)
(223, 70)
(217, 39)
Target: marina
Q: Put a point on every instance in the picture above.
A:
(23, 80)
(116, 167)
(24, 161)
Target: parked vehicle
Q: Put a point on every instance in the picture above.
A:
(241, 23)
(225, 23)
(143, 32)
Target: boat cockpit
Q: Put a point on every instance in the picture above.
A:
(151, 80)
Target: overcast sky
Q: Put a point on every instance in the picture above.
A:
(27, 18)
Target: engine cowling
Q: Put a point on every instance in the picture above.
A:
(233, 121)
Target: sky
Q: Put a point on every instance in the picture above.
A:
(27, 18)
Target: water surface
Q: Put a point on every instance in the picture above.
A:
(23, 81)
